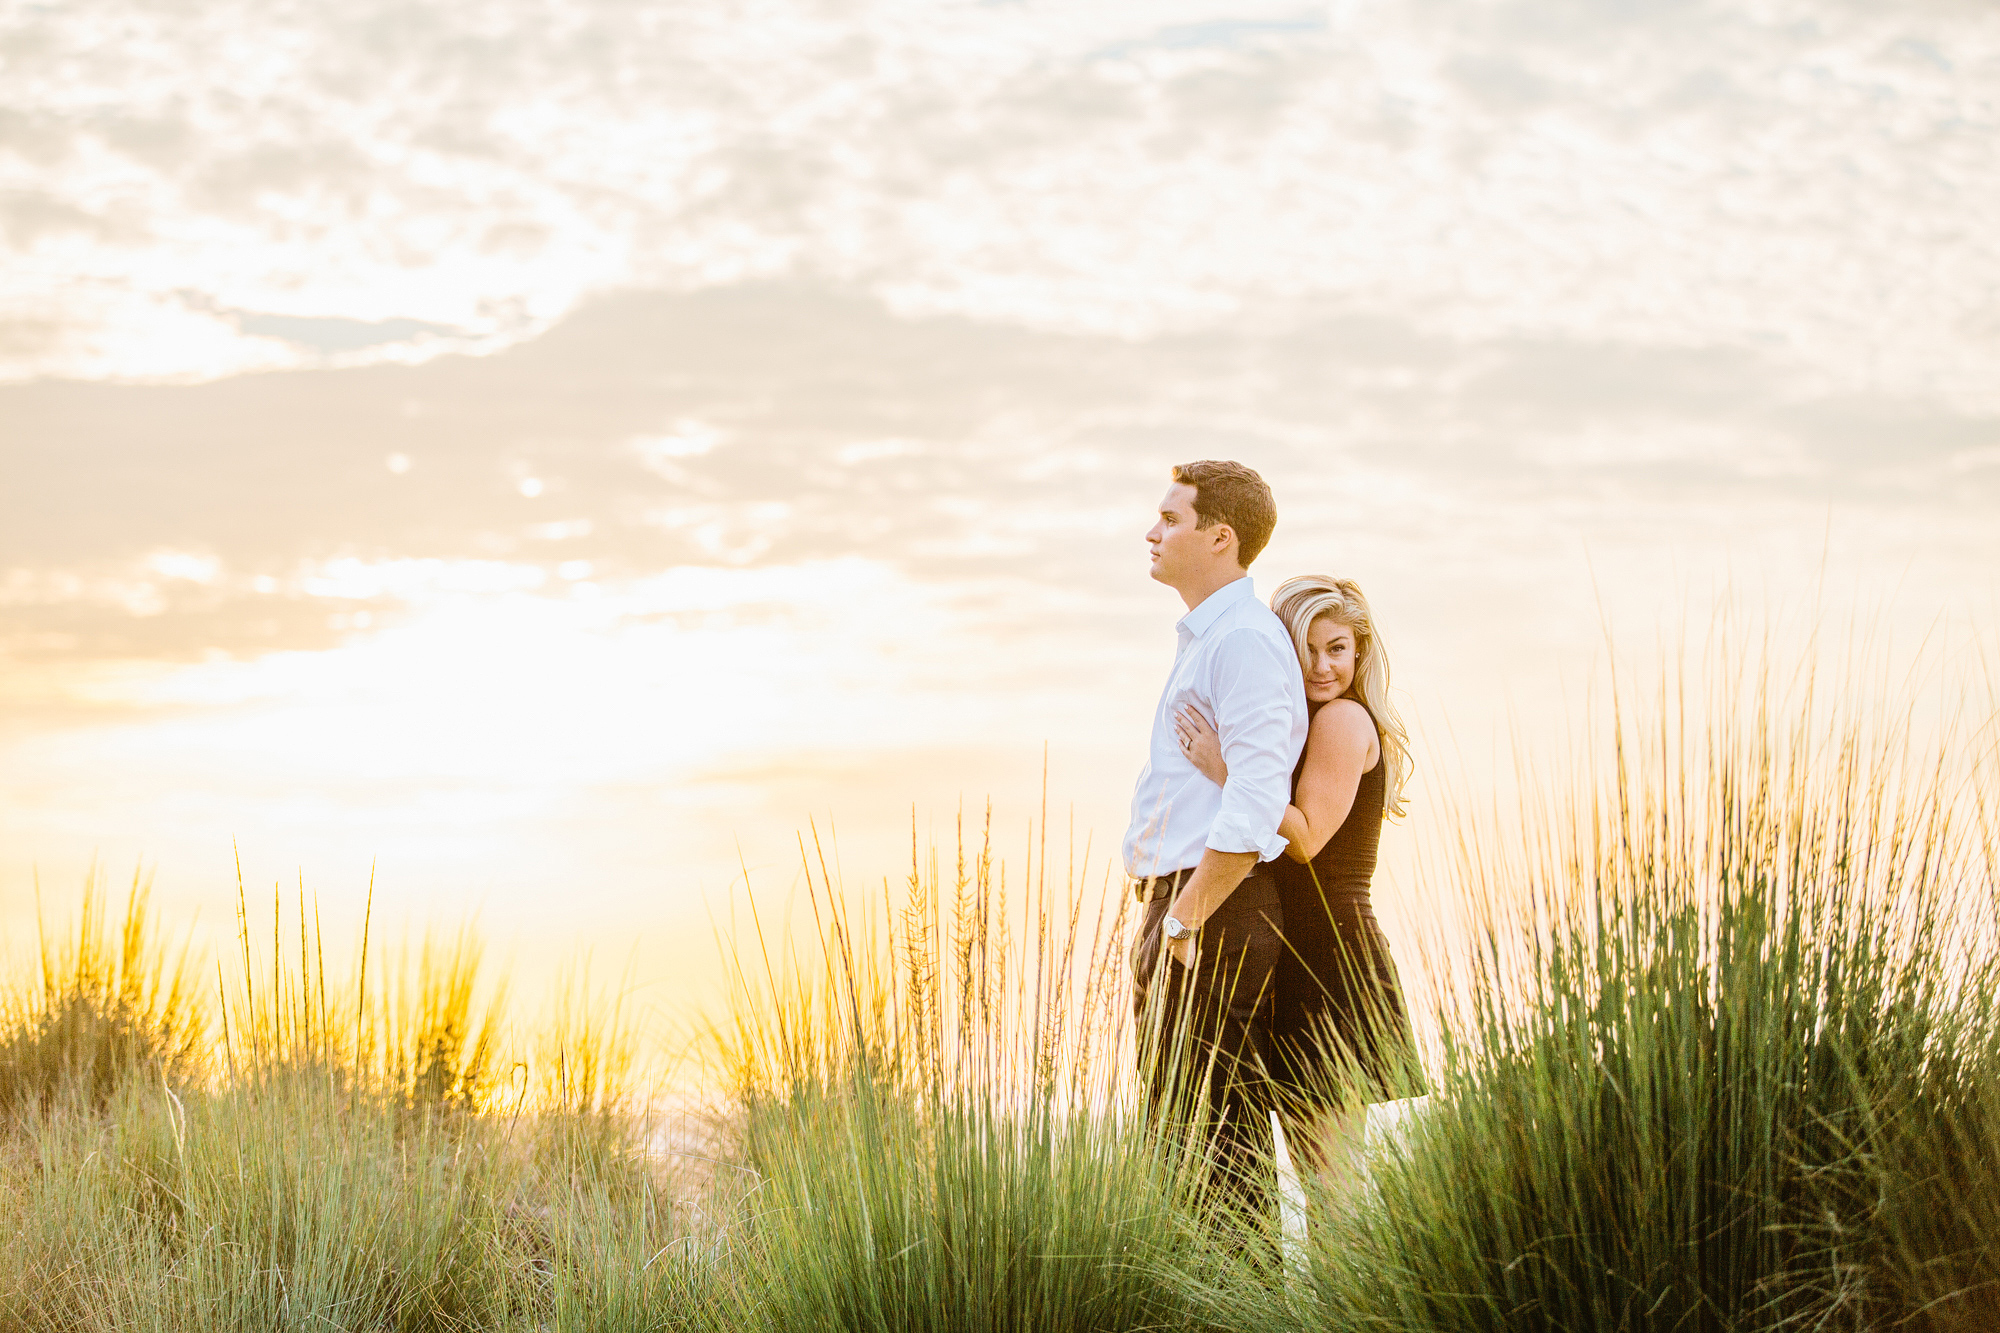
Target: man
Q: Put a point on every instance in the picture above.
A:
(1208, 941)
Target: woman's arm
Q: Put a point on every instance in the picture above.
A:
(1292, 828)
(1341, 746)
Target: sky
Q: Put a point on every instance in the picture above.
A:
(549, 455)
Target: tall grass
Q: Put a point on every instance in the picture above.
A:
(318, 1149)
(424, 1035)
(938, 1119)
(1723, 1054)
(102, 1011)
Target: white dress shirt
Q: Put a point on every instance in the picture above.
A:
(1236, 664)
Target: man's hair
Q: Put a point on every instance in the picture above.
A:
(1233, 494)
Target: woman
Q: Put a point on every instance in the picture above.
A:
(1341, 1035)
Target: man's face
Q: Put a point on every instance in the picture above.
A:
(1181, 551)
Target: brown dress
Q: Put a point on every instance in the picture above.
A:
(1339, 1007)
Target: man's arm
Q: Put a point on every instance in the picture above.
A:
(1215, 877)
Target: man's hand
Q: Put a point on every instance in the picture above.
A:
(1208, 888)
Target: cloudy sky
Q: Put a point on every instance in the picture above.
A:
(548, 450)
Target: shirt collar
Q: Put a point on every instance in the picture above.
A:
(1197, 621)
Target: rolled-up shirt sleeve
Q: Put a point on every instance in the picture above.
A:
(1253, 690)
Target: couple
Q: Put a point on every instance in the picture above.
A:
(1261, 980)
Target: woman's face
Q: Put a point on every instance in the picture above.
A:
(1330, 664)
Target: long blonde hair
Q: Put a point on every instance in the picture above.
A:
(1301, 601)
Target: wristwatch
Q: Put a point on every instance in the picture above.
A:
(1174, 930)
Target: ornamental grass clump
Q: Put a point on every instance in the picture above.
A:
(420, 1033)
(103, 1010)
(937, 1122)
(1723, 1053)
(312, 1151)
(283, 1207)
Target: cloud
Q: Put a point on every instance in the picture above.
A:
(591, 293)
(1804, 174)
(337, 335)
(778, 425)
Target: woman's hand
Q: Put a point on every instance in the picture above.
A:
(1201, 744)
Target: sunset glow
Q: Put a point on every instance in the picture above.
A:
(545, 453)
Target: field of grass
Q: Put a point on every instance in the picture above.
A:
(1718, 1050)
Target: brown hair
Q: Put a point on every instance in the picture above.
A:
(1233, 494)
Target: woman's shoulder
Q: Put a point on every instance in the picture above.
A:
(1343, 724)
(1344, 717)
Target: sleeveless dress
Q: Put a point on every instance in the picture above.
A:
(1339, 1002)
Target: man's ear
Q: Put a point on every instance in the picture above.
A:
(1222, 536)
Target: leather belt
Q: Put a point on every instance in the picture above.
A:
(1160, 886)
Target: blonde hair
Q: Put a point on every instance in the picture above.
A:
(1302, 601)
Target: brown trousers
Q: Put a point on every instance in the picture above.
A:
(1205, 1033)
